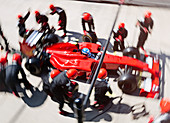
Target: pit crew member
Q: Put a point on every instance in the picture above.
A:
(87, 18)
(146, 26)
(21, 23)
(60, 86)
(62, 21)
(101, 87)
(43, 20)
(119, 37)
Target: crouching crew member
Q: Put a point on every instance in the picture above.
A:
(101, 87)
(59, 86)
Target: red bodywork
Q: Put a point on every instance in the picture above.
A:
(63, 57)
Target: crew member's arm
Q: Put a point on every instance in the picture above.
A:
(53, 12)
(92, 21)
(26, 16)
(83, 24)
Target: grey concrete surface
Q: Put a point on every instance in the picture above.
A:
(39, 108)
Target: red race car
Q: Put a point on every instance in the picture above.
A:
(130, 65)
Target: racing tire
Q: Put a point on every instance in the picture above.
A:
(90, 37)
(33, 65)
(50, 38)
(131, 52)
(127, 83)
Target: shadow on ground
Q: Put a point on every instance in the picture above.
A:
(33, 97)
(96, 115)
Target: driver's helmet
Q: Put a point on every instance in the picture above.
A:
(86, 52)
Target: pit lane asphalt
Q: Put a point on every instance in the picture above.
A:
(41, 109)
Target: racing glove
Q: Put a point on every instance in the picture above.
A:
(38, 21)
(145, 30)
(59, 22)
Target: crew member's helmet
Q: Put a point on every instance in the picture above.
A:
(17, 58)
(165, 105)
(19, 16)
(86, 52)
(121, 25)
(54, 73)
(148, 14)
(72, 73)
(87, 16)
(37, 13)
(51, 6)
(102, 73)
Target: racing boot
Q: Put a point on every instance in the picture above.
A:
(63, 35)
(60, 28)
(101, 107)
(1, 47)
(62, 112)
(16, 94)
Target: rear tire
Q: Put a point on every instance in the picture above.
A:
(50, 38)
(33, 66)
(131, 52)
(90, 37)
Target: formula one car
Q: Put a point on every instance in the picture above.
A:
(130, 65)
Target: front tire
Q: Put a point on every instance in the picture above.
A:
(131, 52)
(127, 83)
